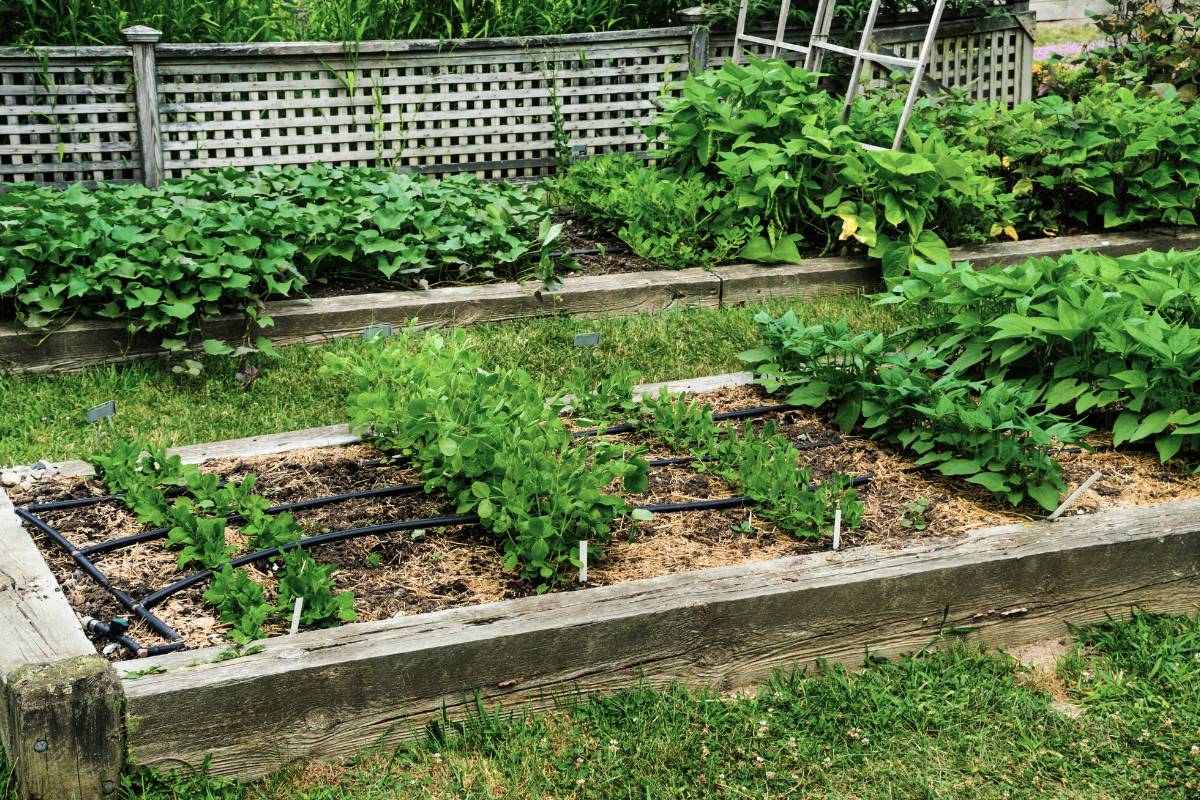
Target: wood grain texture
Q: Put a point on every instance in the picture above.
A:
(64, 725)
(328, 694)
(61, 707)
(37, 622)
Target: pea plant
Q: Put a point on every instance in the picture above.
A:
(600, 395)
(197, 516)
(761, 465)
(492, 443)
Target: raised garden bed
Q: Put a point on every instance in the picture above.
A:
(759, 600)
(80, 344)
(435, 567)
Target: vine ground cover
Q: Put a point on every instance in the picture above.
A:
(222, 241)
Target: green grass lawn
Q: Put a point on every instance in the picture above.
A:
(1059, 34)
(956, 724)
(43, 416)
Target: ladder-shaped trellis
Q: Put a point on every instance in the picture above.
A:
(819, 44)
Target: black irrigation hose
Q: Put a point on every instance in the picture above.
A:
(160, 627)
(80, 502)
(432, 522)
(116, 630)
(159, 533)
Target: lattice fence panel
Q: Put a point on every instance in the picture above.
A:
(491, 111)
(993, 66)
(67, 117)
(991, 60)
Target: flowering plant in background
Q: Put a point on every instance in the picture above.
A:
(1058, 76)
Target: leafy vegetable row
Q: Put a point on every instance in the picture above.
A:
(197, 518)
(167, 259)
(1004, 364)
(492, 443)
(756, 164)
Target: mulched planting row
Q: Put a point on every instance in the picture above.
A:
(415, 572)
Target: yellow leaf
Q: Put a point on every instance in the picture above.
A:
(1006, 162)
(1011, 232)
(849, 226)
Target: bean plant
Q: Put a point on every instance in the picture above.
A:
(1005, 365)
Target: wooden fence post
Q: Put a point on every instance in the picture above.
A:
(696, 19)
(145, 75)
(62, 708)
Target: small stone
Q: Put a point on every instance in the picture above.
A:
(10, 478)
(44, 466)
(38, 474)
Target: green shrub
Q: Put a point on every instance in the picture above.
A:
(758, 151)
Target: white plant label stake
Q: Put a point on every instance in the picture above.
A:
(837, 526)
(583, 560)
(296, 616)
(1070, 501)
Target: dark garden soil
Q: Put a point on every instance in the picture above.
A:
(414, 572)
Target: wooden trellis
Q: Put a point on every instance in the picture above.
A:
(503, 108)
(819, 44)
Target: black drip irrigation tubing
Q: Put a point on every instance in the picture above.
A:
(80, 502)
(130, 604)
(115, 630)
(142, 608)
(154, 599)
(159, 533)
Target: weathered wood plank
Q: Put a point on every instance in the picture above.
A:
(61, 707)
(38, 623)
(82, 344)
(64, 725)
(328, 694)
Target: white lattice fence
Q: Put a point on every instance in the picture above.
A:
(481, 106)
(67, 114)
(504, 108)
